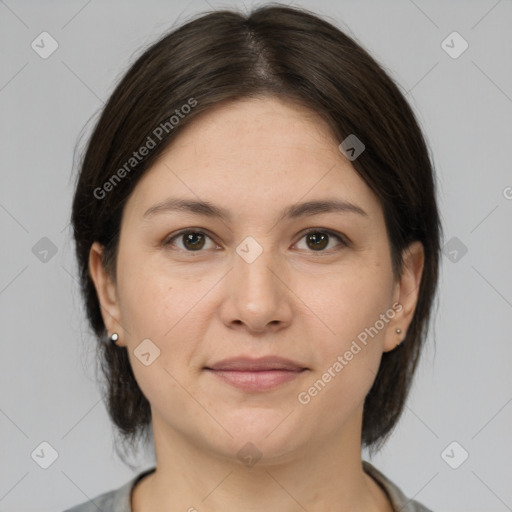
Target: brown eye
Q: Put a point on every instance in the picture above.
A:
(191, 241)
(318, 240)
(196, 240)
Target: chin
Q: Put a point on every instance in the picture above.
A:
(269, 433)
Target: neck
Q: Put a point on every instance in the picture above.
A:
(320, 477)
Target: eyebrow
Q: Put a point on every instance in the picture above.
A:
(207, 209)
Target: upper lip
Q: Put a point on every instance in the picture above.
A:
(249, 364)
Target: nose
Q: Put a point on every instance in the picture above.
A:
(257, 297)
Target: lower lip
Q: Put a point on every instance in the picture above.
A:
(256, 381)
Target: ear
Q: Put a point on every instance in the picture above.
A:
(405, 296)
(107, 293)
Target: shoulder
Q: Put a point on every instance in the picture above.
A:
(397, 497)
(117, 500)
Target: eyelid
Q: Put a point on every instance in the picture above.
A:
(344, 241)
(320, 229)
(202, 231)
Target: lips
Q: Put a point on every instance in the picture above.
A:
(246, 364)
(256, 375)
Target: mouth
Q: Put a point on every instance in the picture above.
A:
(256, 375)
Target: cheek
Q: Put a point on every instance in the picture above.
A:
(352, 308)
(350, 303)
(152, 301)
(155, 308)
(145, 305)
(166, 309)
(347, 361)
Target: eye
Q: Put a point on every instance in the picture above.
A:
(318, 239)
(193, 240)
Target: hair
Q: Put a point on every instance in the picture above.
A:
(277, 51)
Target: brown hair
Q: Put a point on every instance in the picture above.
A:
(280, 51)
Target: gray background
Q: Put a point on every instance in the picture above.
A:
(463, 389)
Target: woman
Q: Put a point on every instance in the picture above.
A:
(258, 240)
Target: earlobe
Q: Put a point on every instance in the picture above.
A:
(406, 294)
(105, 289)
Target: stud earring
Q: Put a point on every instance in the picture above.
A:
(398, 331)
(114, 338)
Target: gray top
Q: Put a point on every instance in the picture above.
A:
(119, 500)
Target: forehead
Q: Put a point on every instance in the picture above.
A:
(254, 153)
(259, 119)
(263, 133)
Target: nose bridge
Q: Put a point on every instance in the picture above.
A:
(252, 266)
(257, 296)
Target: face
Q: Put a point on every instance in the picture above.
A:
(312, 285)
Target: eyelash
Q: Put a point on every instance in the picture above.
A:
(343, 240)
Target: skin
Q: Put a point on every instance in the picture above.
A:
(255, 157)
